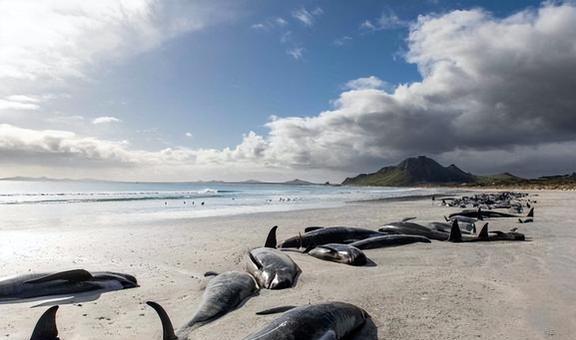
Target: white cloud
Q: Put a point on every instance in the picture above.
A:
(45, 44)
(342, 41)
(296, 52)
(105, 120)
(20, 102)
(6, 104)
(306, 17)
(20, 143)
(188, 134)
(280, 21)
(387, 21)
(367, 83)
(258, 26)
(270, 24)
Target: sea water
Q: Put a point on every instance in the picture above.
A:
(26, 204)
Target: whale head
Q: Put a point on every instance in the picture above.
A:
(125, 281)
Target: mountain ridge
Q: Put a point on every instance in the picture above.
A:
(424, 171)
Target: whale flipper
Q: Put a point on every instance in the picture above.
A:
(75, 275)
(167, 328)
(46, 326)
(406, 219)
(275, 310)
(455, 233)
(271, 239)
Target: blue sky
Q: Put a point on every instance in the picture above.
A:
(195, 84)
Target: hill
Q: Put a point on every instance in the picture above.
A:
(413, 171)
(423, 171)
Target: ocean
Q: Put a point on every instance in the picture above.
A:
(29, 204)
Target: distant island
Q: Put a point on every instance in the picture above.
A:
(424, 171)
(250, 181)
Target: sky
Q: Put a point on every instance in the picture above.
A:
(183, 90)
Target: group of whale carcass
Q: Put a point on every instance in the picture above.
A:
(269, 267)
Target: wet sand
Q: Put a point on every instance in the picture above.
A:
(497, 290)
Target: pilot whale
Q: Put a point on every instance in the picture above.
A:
(342, 253)
(320, 236)
(62, 283)
(272, 268)
(331, 320)
(224, 293)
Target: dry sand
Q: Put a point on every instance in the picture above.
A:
(498, 290)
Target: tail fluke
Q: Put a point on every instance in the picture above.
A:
(455, 233)
(167, 328)
(46, 326)
(271, 239)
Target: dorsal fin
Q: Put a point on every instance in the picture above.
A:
(483, 236)
(74, 275)
(46, 326)
(455, 233)
(167, 328)
(530, 213)
(271, 239)
(275, 310)
(480, 214)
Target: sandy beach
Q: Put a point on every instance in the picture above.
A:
(497, 290)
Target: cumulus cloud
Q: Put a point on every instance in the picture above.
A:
(366, 83)
(53, 146)
(27, 143)
(105, 120)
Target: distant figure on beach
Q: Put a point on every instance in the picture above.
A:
(202, 203)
